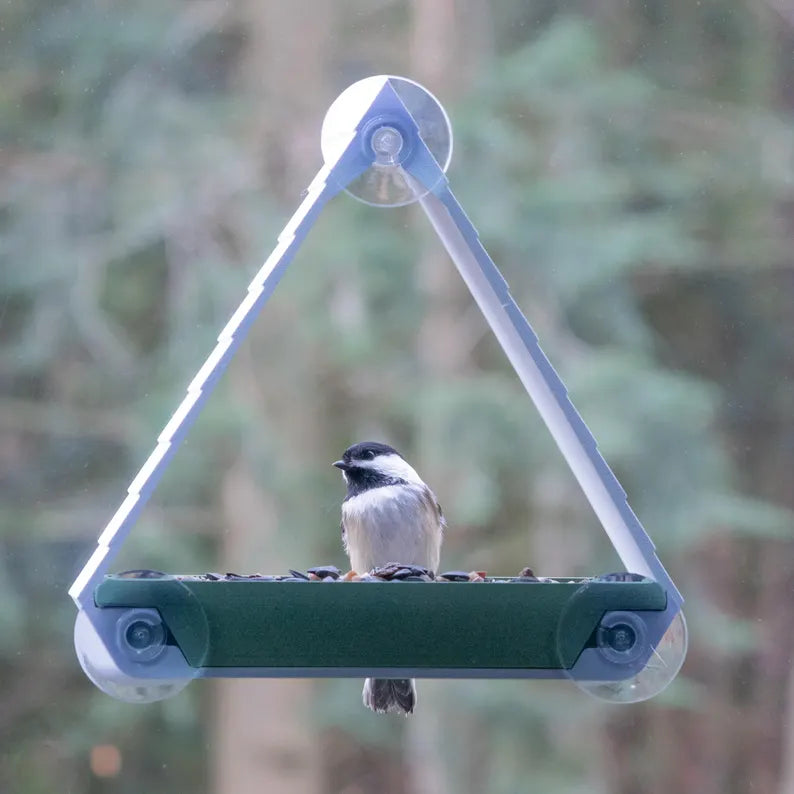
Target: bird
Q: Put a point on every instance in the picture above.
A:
(389, 515)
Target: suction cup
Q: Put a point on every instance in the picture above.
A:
(130, 653)
(104, 673)
(631, 655)
(386, 138)
(659, 671)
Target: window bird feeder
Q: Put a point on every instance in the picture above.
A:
(387, 141)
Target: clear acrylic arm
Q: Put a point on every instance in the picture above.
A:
(331, 178)
(544, 386)
(520, 343)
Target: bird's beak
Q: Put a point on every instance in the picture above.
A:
(340, 464)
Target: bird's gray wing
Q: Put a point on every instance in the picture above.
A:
(434, 503)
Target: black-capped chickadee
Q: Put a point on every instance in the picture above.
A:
(389, 515)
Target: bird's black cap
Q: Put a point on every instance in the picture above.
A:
(364, 450)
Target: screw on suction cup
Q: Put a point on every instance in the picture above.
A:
(140, 635)
(387, 143)
(621, 637)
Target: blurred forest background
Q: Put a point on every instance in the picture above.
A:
(629, 165)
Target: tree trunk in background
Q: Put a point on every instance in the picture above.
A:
(285, 71)
(261, 742)
(447, 41)
(264, 739)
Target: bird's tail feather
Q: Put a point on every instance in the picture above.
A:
(390, 694)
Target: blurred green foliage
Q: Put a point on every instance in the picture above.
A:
(628, 177)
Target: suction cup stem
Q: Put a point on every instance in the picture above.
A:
(385, 183)
(387, 143)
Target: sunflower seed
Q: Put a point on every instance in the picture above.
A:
(325, 571)
(456, 576)
(621, 576)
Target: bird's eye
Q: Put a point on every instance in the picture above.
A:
(369, 454)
